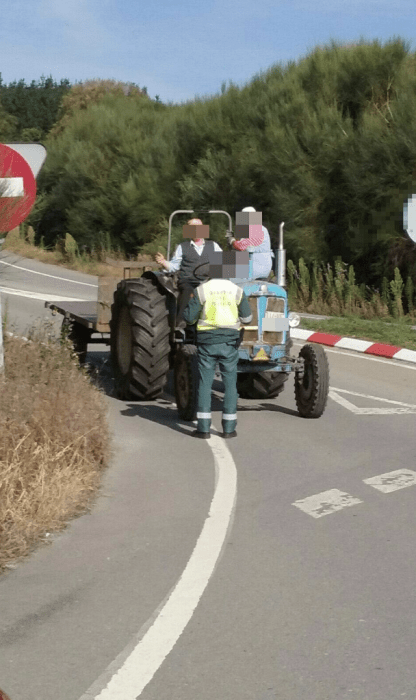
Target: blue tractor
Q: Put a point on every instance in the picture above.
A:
(146, 341)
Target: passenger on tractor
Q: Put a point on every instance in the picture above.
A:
(219, 307)
(249, 221)
(195, 250)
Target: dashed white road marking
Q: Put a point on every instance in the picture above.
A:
(140, 665)
(392, 481)
(326, 502)
(45, 274)
(399, 406)
(36, 295)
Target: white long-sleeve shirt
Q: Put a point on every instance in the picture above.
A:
(175, 262)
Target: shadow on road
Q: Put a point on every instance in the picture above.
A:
(160, 411)
(268, 407)
(163, 410)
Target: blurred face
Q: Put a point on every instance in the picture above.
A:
(195, 231)
(246, 223)
(229, 264)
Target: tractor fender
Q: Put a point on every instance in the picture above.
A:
(165, 286)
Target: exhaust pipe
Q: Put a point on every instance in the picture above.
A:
(281, 260)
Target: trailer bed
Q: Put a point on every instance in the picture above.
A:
(83, 312)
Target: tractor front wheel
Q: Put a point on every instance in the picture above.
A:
(312, 386)
(260, 385)
(186, 381)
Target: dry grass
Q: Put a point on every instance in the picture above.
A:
(54, 443)
(16, 243)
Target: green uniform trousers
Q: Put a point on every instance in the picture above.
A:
(226, 354)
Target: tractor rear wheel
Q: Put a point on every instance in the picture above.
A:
(139, 339)
(186, 381)
(260, 385)
(311, 388)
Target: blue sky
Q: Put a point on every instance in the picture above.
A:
(179, 49)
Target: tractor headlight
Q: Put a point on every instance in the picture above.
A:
(294, 320)
(263, 289)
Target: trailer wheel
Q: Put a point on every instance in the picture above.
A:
(78, 335)
(311, 388)
(186, 381)
(260, 385)
(139, 339)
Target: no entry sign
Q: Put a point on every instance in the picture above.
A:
(17, 189)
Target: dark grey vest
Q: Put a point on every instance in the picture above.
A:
(191, 259)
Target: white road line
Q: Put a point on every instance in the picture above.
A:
(36, 295)
(392, 481)
(371, 410)
(368, 358)
(148, 654)
(44, 274)
(399, 406)
(369, 396)
(326, 502)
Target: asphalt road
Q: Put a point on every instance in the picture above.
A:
(301, 585)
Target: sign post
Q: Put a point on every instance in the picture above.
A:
(1, 343)
(19, 165)
(409, 217)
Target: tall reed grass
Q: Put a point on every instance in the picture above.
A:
(333, 291)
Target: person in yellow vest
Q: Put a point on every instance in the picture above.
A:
(219, 307)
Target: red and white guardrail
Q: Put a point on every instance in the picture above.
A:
(365, 346)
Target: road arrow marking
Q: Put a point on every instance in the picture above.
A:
(392, 481)
(399, 406)
(326, 502)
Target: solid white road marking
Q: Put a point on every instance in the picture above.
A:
(44, 274)
(144, 660)
(11, 187)
(35, 295)
(392, 481)
(326, 502)
(370, 396)
(401, 407)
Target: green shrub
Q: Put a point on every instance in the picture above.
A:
(397, 286)
(71, 247)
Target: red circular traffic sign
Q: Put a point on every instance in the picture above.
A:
(17, 189)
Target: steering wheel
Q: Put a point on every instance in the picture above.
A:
(202, 275)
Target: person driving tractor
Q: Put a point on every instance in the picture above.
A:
(195, 250)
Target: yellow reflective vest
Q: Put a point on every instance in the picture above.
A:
(220, 300)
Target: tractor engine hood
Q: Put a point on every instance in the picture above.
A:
(261, 288)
